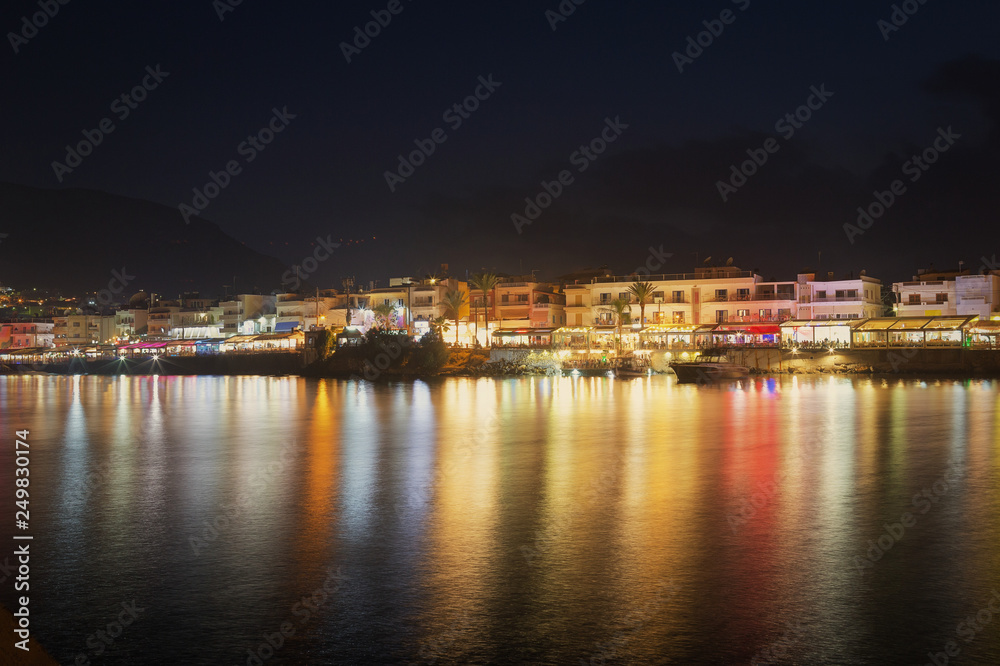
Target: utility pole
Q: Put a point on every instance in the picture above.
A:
(348, 283)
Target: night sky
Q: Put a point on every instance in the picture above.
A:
(655, 186)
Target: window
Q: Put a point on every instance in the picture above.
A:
(820, 294)
(678, 317)
(742, 313)
(625, 296)
(678, 297)
(785, 313)
(743, 294)
(721, 316)
(605, 298)
(765, 314)
(522, 298)
(505, 298)
(722, 295)
(942, 298)
(657, 296)
(914, 299)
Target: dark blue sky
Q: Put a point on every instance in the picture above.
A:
(655, 186)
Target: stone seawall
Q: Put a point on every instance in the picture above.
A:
(903, 360)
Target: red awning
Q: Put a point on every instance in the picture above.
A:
(752, 329)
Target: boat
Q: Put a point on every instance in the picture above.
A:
(630, 368)
(711, 366)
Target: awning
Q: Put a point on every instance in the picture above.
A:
(753, 329)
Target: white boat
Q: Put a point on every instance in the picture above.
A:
(709, 367)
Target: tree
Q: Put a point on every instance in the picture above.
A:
(324, 343)
(486, 283)
(439, 326)
(454, 301)
(385, 315)
(643, 292)
(619, 311)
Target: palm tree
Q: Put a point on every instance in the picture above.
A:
(619, 309)
(643, 292)
(486, 282)
(384, 315)
(440, 326)
(453, 303)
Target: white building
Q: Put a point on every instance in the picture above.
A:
(244, 308)
(709, 295)
(948, 293)
(859, 298)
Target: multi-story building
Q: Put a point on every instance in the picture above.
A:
(244, 308)
(521, 302)
(948, 293)
(853, 298)
(427, 303)
(132, 322)
(397, 294)
(296, 311)
(21, 335)
(89, 329)
(709, 295)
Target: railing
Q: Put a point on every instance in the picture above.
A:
(839, 299)
(742, 298)
(671, 277)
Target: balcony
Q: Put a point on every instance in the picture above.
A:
(744, 298)
(672, 277)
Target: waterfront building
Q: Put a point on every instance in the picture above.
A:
(948, 293)
(428, 304)
(89, 329)
(131, 322)
(522, 302)
(25, 334)
(248, 313)
(852, 298)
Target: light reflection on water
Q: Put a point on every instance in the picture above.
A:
(531, 520)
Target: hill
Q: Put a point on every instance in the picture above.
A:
(72, 240)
